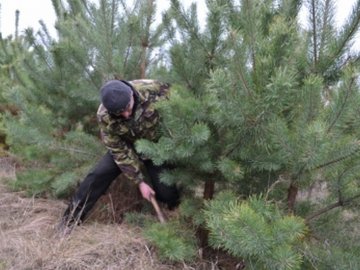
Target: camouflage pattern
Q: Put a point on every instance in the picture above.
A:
(119, 134)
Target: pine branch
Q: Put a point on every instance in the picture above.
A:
(86, 6)
(127, 54)
(189, 28)
(339, 193)
(113, 14)
(125, 9)
(252, 33)
(239, 70)
(330, 207)
(87, 71)
(342, 105)
(324, 27)
(350, 31)
(68, 149)
(231, 150)
(32, 72)
(340, 202)
(46, 40)
(58, 9)
(336, 160)
(294, 7)
(145, 39)
(314, 30)
(31, 39)
(108, 36)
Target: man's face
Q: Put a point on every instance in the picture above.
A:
(128, 111)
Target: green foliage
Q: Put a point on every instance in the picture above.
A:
(190, 210)
(258, 105)
(63, 184)
(278, 111)
(35, 182)
(173, 241)
(53, 84)
(324, 257)
(340, 251)
(256, 231)
(142, 220)
(187, 132)
(58, 162)
(230, 169)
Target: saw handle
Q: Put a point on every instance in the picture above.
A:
(157, 208)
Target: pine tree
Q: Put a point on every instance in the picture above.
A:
(7, 61)
(266, 107)
(260, 107)
(55, 87)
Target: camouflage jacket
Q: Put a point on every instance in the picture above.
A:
(119, 134)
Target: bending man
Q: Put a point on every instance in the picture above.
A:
(126, 113)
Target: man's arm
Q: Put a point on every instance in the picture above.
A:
(128, 162)
(146, 191)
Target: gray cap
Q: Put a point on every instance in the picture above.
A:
(115, 96)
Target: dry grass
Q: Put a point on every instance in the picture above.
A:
(7, 167)
(29, 240)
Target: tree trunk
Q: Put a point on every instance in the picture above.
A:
(209, 189)
(143, 62)
(292, 193)
(208, 195)
(145, 43)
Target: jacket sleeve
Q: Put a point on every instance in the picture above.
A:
(124, 156)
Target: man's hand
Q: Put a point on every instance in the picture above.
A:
(146, 191)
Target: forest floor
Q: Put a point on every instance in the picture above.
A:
(29, 239)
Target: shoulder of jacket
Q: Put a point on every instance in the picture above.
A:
(150, 86)
(102, 114)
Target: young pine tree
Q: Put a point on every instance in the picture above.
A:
(55, 87)
(266, 107)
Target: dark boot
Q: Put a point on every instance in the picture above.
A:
(90, 190)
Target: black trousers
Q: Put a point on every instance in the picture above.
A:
(98, 181)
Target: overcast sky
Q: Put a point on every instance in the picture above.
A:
(31, 11)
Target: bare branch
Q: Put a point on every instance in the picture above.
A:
(330, 207)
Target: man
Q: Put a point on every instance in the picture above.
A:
(126, 113)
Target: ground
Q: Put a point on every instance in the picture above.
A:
(29, 238)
